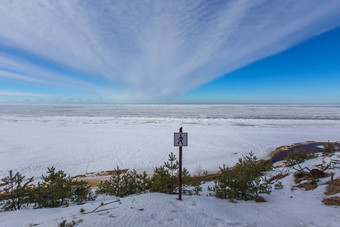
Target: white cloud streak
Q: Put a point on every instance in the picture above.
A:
(25, 94)
(157, 49)
(48, 78)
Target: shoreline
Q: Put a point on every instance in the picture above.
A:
(279, 154)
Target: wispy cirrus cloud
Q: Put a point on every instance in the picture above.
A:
(26, 94)
(153, 49)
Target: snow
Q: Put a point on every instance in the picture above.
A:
(96, 138)
(284, 207)
(91, 144)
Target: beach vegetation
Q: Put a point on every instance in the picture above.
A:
(126, 184)
(15, 191)
(329, 150)
(165, 179)
(58, 189)
(244, 181)
(297, 157)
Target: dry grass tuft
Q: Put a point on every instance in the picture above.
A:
(278, 177)
(332, 201)
(333, 187)
(309, 175)
(301, 176)
(310, 185)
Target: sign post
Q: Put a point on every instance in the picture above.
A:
(180, 139)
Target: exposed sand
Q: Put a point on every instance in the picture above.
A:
(93, 178)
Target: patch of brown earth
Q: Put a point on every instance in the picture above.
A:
(310, 185)
(311, 175)
(332, 201)
(101, 173)
(94, 178)
(333, 187)
(278, 177)
(311, 178)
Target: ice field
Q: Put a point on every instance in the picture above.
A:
(91, 138)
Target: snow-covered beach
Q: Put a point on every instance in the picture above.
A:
(92, 138)
(81, 138)
(285, 207)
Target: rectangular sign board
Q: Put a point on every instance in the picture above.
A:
(180, 139)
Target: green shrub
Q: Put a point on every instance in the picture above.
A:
(15, 191)
(244, 181)
(111, 186)
(80, 192)
(297, 157)
(329, 150)
(125, 184)
(197, 187)
(191, 185)
(57, 189)
(162, 181)
(165, 178)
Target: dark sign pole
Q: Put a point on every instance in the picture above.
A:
(180, 140)
(180, 172)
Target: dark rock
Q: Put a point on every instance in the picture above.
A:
(299, 174)
(317, 173)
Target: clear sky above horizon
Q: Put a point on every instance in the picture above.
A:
(191, 51)
(306, 73)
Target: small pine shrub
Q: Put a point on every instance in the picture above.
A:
(57, 189)
(15, 192)
(192, 185)
(186, 182)
(80, 192)
(297, 157)
(125, 184)
(172, 164)
(165, 178)
(244, 181)
(111, 186)
(162, 181)
(329, 150)
(144, 182)
(62, 224)
(197, 188)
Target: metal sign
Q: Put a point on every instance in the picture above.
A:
(180, 139)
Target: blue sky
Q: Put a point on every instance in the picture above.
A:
(193, 51)
(306, 73)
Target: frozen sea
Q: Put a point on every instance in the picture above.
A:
(91, 138)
